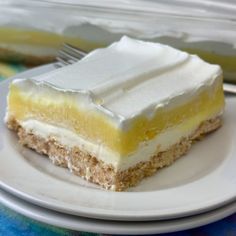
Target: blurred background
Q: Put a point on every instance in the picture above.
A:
(32, 31)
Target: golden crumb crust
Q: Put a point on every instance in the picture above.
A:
(96, 171)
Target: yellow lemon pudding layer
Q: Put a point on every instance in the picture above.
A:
(120, 113)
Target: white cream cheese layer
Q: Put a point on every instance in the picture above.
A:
(127, 79)
(145, 151)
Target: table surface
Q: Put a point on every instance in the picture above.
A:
(14, 224)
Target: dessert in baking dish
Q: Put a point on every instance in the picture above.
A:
(36, 47)
(120, 113)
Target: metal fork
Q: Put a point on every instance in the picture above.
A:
(69, 55)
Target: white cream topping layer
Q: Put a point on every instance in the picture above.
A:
(127, 79)
(145, 151)
(188, 21)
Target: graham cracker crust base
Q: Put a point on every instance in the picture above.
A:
(30, 60)
(96, 171)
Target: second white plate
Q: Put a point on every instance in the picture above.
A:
(203, 179)
(113, 227)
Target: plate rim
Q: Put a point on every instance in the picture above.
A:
(118, 227)
(106, 214)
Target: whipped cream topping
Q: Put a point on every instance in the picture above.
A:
(192, 21)
(128, 78)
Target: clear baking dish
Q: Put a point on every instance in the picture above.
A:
(32, 31)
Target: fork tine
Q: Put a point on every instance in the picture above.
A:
(69, 54)
(72, 53)
(74, 49)
(62, 60)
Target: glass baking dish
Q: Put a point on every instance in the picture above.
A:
(32, 31)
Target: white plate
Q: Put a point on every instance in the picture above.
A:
(113, 227)
(200, 181)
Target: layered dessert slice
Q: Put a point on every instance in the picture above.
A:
(120, 113)
(33, 47)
